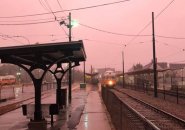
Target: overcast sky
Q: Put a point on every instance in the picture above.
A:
(121, 20)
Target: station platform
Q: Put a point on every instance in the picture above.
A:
(86, 112)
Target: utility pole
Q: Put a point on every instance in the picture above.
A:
(70, 26)
(123, 70)
(154, 58)
(84, 73)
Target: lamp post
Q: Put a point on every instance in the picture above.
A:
(19, 75)
(123, 66)
(123, 70)
(69, 26)
(84, 73)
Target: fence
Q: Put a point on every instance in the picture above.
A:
(12, 91)
(6, 92)
(123, 116)
(169, 88)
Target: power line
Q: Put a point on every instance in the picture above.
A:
(50, 9)
(168, 5)
(63, 20)
(27, 23)
(31, 20)
(67, 10)
(169, 37)
(166, 44)
(114, 33)
(106, 42)
(9, 37)
(42, 4)
(172, 54)
(60, 5)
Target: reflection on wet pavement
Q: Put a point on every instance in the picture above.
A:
(86, 112)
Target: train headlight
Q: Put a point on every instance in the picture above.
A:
(110, 82)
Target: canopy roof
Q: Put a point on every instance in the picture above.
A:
(46, 54)
(146, 69)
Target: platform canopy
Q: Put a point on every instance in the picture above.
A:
(146, 70)
(43, 54)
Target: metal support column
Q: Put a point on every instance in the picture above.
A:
(70, 26)
(154, 58)
(38, 111)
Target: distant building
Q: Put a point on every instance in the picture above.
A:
(176, 65)
(103, 70)
(163, 65)
(149, 66)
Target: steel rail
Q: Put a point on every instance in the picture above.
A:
(177, 119)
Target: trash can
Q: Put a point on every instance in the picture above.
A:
(82, 85)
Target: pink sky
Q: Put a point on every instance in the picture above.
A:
(102, 49)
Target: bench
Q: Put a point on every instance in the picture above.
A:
(48, 110)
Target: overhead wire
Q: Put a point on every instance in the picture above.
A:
(55, 16)
(166, 7)
(9, 37)
(121, 34)
(172, 54)
(50, 9)
(60, 5)
(108, 42)
(180, 50)
(31, 20)
(166, 44)
(114, 33)
(27, 23)
(66, 10)
(169, 37)
(43, 5)
(63, 20)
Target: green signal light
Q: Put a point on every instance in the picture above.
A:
(74, 23)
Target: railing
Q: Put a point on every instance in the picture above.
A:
(12, 91)
(123, 116)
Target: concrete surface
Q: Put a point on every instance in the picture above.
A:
(86, 112)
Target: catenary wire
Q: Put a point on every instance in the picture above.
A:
(110, 31)
(166, 7)
(67, 10)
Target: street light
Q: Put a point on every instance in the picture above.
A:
(123, 66)
(123, 70)
(72, 23)
(19, 75)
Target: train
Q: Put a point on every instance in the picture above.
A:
(7, 80)
(108, 79)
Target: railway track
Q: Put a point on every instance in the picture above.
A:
(161, 119)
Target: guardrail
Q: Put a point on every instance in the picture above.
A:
(123, 116)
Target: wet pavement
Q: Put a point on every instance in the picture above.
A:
(86, 112)
(94, 116)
